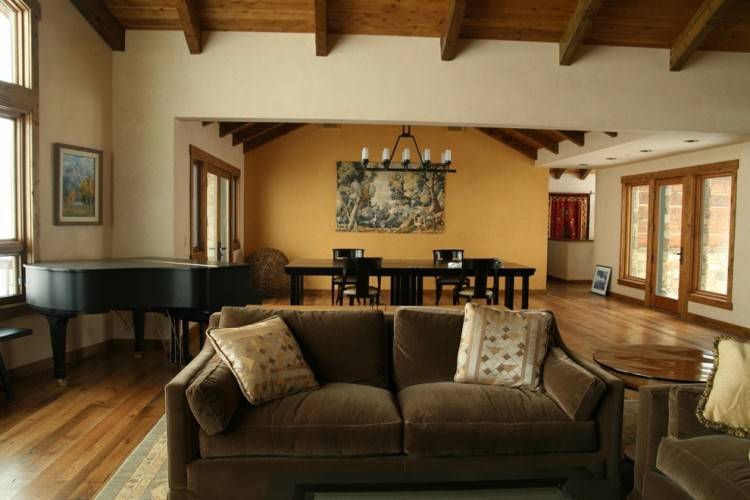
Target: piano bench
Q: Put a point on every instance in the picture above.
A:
(5, 335)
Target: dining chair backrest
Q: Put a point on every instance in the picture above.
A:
(481, 269)
(348, 253)
(447, 255)
(362, 268)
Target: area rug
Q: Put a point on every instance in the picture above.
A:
(143, 475)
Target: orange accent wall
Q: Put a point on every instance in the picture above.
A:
(496, 205)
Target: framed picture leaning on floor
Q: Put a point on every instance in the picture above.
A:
(600, 284)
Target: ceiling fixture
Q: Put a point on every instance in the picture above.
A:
(610, 158)
(583, 164)
(647, 150)
(691, 140)
(425, 163)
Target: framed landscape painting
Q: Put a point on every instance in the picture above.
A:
(78, 185)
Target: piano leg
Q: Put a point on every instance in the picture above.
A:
(139, 322)
(58, 331)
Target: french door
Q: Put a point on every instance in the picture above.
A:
(670, 230)
(218, 245)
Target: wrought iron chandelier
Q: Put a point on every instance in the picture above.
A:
(425, 163)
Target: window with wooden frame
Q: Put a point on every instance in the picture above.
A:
(713, 239)
(213, 207)
(709, 234)
(634, 240)
(19, 100)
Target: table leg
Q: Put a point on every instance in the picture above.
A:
(525, 292)
(509, 284)
(496, 290)
(296, 291)
(420, 288)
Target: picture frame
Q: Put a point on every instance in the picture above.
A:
(600, 283)
(78, 195)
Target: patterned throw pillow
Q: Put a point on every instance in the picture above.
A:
(264, 358)
(502, 347)
(725, 404)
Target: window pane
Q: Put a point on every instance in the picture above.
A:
(715, 222)
(7, 179)
(9, 267)
(6, 43)
(638, 232)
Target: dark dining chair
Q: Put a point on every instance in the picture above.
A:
(482, 270)
(360, 270)
(337, 281)
(446, 255)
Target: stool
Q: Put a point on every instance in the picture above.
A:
(9, 334)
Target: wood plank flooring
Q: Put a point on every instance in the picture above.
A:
(65, 442)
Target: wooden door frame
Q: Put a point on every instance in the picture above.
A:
(209, 162)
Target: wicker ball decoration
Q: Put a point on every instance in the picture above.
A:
(268, 273)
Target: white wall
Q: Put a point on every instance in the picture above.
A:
(75, 107)
(607, 245)
(382, 79)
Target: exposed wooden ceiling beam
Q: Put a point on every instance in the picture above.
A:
(321, 28)
(452, 29)
(102, 20)
(226, 128)
(611, 134)
(539, 139)
(188, 13)
(575, 32)
(206, 124)
(274, 133)
(557, 172)
(583, 173)
(576, 137)
(703, 21)
(510, 141)
(250, 131)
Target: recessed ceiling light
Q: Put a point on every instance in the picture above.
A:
(691, 140)
(583, 164)
(610, 158)
(647, 150)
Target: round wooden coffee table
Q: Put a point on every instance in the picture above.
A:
(664, 363)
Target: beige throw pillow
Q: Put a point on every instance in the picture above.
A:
(725, 404)
(502, 347)
(264, 358)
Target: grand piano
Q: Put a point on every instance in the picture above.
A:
(182, 288)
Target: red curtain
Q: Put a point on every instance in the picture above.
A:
(568, 216)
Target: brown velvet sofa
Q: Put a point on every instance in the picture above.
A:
(677, 458)
(388, 412)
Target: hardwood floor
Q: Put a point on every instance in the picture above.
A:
(65, 442)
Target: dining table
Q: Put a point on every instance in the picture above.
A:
(407, 278)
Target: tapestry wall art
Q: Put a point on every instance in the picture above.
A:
(389, 201)
(568, 216)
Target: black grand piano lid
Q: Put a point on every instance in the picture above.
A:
(141, 283)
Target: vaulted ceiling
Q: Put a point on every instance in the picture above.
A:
(683, 26)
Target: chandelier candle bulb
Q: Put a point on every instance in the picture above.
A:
(447, 157)
(365, 154)
(386, 154)
(426, 156)
(406, 155)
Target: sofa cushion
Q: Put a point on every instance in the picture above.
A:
(213, 396)
(340, 346)
(503, 347)
(264, 358)
(576, 390)
(447, 418)
(338, 420)
(707, 467)
(425, 344)
(726, 402)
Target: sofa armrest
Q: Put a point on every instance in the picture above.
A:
(683, 402)
(653, 422)
(182, 428)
